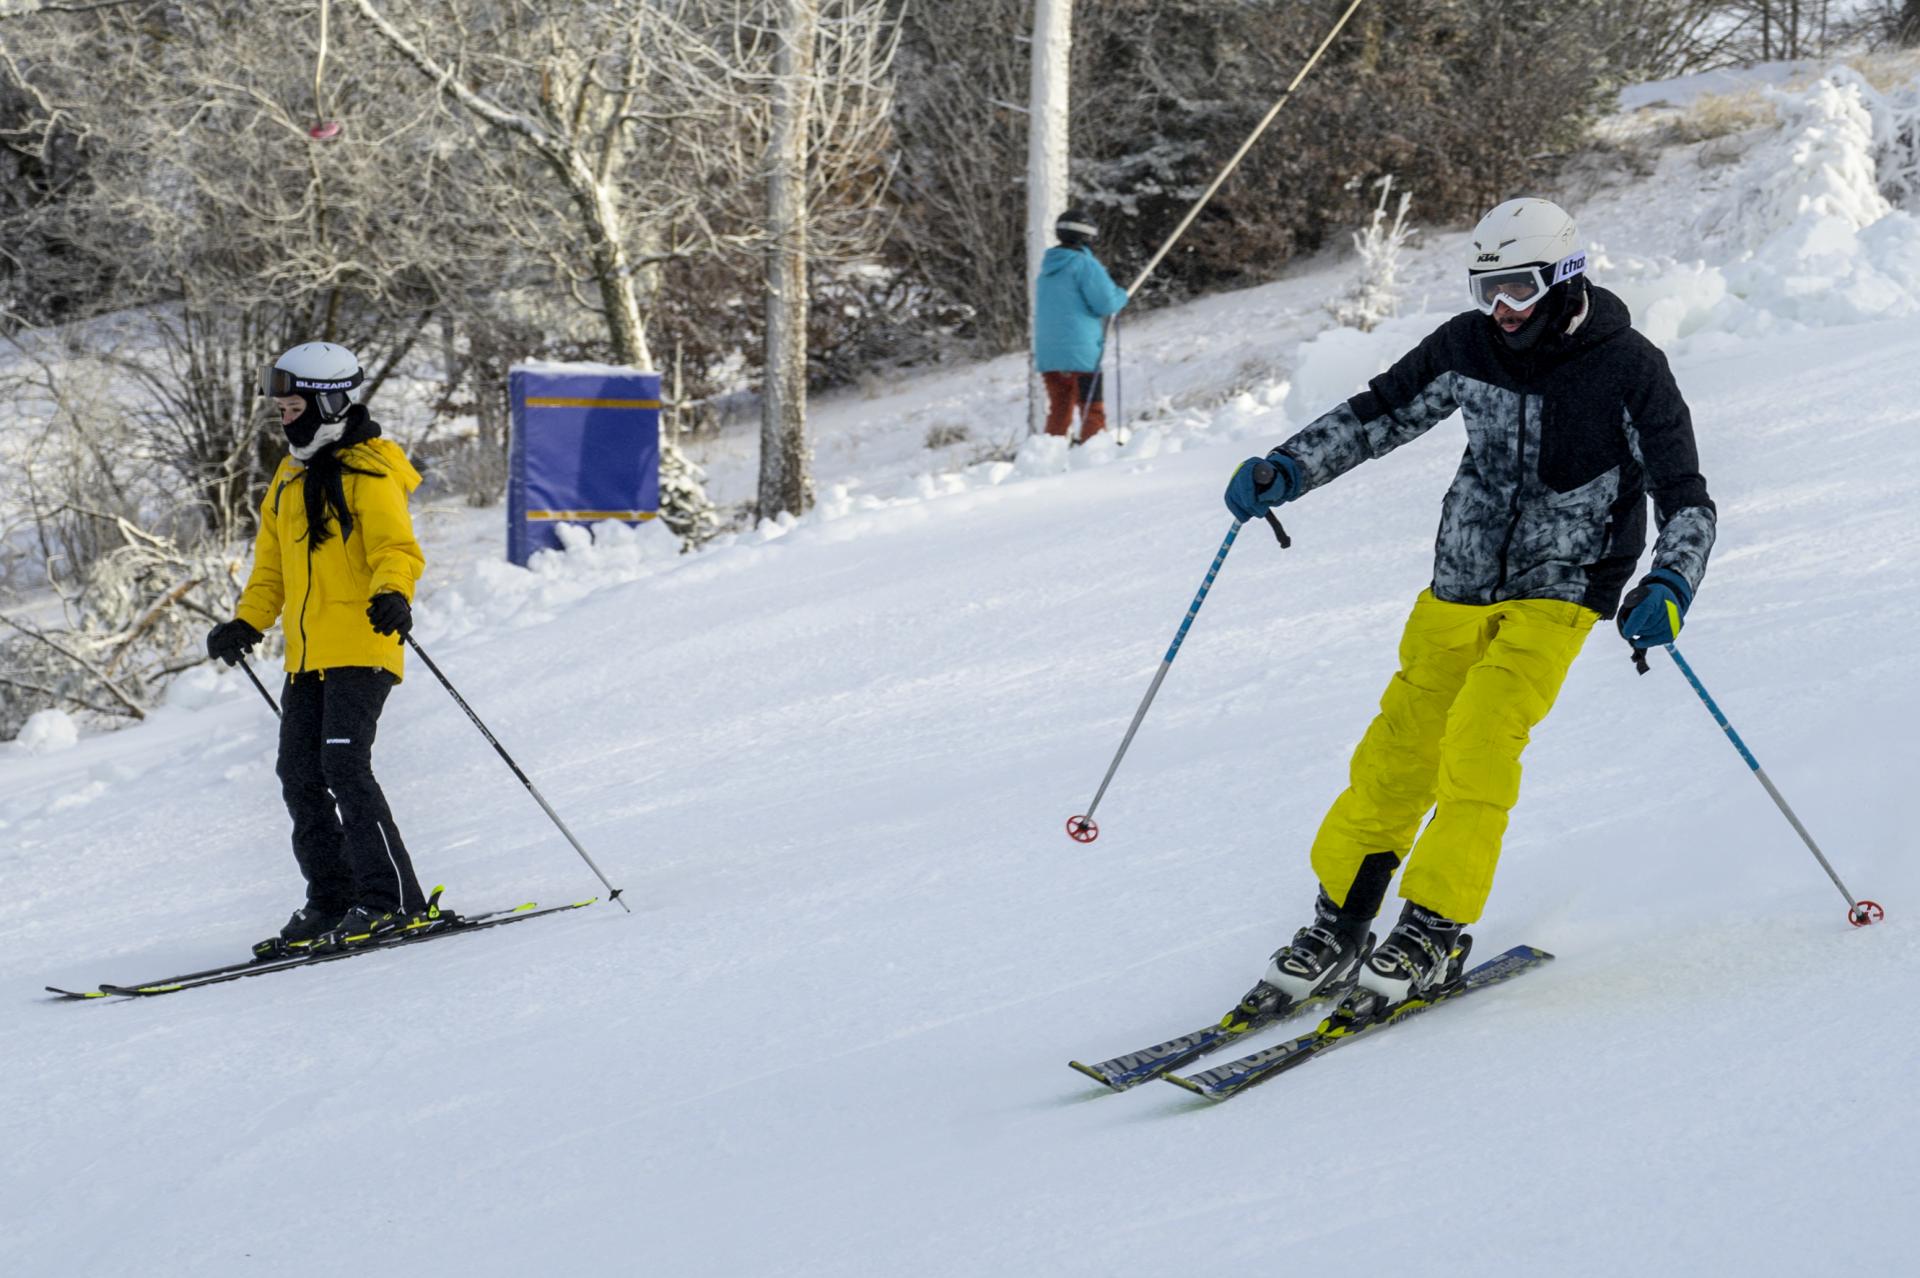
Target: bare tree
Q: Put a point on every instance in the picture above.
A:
(581, 89)
(786, 473)
(1906, 28)
(24, 8)
(962, 122)
(829, 94)
(190, 219)
(1654, 39)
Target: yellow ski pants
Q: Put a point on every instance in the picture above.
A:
(1473, 681)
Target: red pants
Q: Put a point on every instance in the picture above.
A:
(1065, 393)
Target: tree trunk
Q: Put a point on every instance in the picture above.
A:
(786, 462)
(684, 503)
(1048, 153)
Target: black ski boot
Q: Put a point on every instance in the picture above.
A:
(1319, 963)
(360, 925)
(1422, 958)
(307, 925)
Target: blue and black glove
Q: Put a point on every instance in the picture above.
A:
(390, 613)
(1650, 615)
(230, 640)
(1260, 484)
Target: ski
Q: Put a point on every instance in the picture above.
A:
(1236, 1076)
(253, 964)
(260, 967)
(1133, 1068)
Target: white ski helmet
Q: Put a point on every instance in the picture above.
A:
(1519, 250)
(321, 372)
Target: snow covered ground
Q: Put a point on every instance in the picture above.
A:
(830, 765)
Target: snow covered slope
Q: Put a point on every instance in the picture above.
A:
(830, 764)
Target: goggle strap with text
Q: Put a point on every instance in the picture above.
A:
(277, 382)
(1542, 279)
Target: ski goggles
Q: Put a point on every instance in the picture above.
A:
(1521, 286)
(278, 383)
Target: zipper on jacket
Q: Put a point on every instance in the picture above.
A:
(308, 596)
(1519, 478)
(303, 609)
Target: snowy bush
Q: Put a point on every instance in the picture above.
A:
(1896, 141)
(1819, 164)
(1801, 232)
(137, 618)
(1376, 293)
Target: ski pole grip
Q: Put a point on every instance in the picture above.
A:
(1264, 474)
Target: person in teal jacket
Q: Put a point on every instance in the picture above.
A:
(1073, 296)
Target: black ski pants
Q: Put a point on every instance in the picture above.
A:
(343, 835)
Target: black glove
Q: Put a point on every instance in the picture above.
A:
(390, 613)
(230, 640)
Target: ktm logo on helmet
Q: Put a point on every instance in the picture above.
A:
(1488, 257)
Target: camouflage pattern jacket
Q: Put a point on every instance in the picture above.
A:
(1564, 443)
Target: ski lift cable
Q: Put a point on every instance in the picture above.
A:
(1241, 154)
(1109, 327)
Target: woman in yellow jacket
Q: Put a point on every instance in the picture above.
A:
(335, 561)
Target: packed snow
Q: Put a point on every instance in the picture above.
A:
(830, 760)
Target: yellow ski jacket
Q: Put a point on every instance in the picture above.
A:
(320, 594)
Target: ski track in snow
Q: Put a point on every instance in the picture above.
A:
(830, 764)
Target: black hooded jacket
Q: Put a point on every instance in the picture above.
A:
(1564, 443)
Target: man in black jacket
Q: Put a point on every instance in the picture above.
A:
(1573, 420)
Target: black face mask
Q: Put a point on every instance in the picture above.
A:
(301, 430)
(1550, 317)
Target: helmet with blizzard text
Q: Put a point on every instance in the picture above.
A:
(1075, 227)
(321, 372)
(324, 375)
(1524, 251)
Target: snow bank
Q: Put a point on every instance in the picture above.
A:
(1818, 164)
(490, 593)
(1803, 233)
(1683, 90)
(48, 731)
(1337, 364)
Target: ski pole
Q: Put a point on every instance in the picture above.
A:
(1859, 913)
(1079, 435)
(612, 891)
(271, 703)
(1083, 828)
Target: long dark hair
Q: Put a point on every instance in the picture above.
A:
(325, 484)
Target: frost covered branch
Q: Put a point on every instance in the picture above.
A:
(1376, 294)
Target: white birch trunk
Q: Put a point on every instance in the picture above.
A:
(1047, 158)
(684, 504)
(786, 462)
